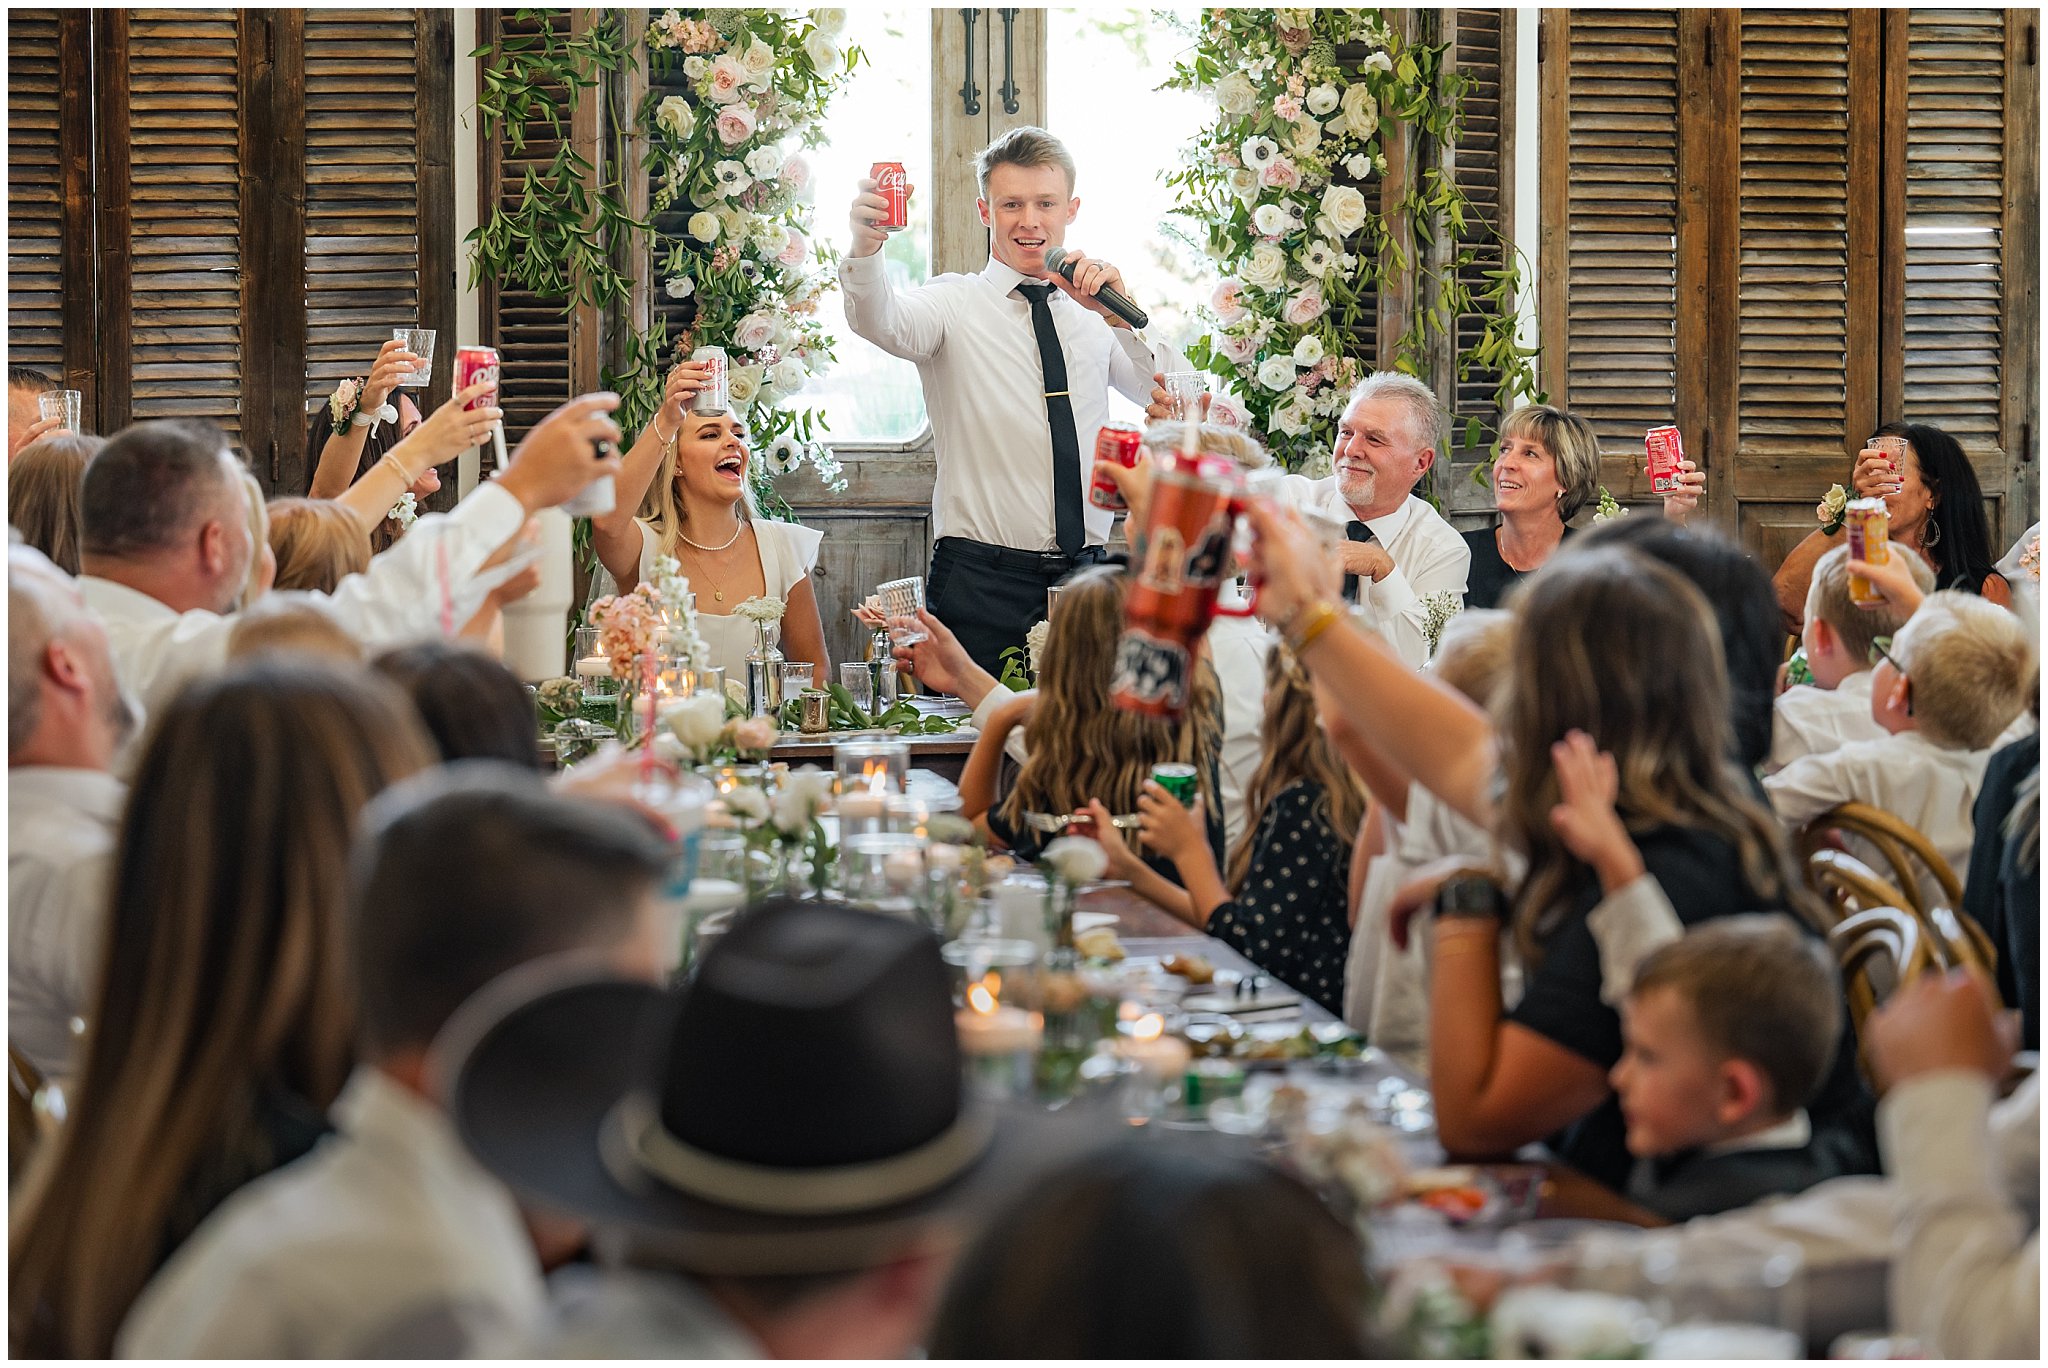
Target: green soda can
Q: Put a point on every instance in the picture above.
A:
(1178, 780)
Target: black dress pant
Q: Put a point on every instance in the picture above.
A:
(990, 595)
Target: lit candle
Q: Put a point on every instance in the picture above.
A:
(987, 1028)
(594, 667)
(1162, 1057)
(903, 869)
(861, 807)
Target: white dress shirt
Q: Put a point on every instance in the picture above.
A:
(1930, 788)
(1428, 554)
(624, 1313)
(977, 356)
(387, 1240)
(1238, 647)
(1810, 720)
(157, 649)
(61, 830)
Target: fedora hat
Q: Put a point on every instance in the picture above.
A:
(794, 1108)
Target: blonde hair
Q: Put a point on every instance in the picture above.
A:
(1473, 655)
(1084, 746)
(1827, 598)
(45, 492)
(1655, 695)
(318, 544)
(259, 535)
(1574, 451)
(1027, 147)
(1971, 668)
(1295, 748)
(661, 508)
(274, 626)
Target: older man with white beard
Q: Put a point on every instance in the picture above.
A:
(1399, 551)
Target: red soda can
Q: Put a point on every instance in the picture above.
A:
(1181, 557)
(471, 365)
(1119, 444)
(1665, 451)
(894, 186)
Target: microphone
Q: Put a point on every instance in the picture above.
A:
(1108, 296)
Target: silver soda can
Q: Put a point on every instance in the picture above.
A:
(716, 396)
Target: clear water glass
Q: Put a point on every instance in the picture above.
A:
(65, 407)
(796, 676)
(859, 682)
(902, 601)
(420, 342)
(1184, 391)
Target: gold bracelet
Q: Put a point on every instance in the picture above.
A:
(1320, 617)
(668, 441)
(404, 477)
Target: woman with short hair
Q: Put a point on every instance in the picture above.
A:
(1548, 469)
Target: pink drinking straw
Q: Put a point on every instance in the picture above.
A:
(447, 594)
(647, 684)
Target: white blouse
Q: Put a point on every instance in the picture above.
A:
(788, 551)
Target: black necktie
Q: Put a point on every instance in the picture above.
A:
(1358, 532)
(1059, 415)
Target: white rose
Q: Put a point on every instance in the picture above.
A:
(758, 59)
(704, 226)
(742, 384)
(682, 287)
(737, 221)
(1265, 268)
(1361, 111)
(1308, 136)
(789, 375)
(1235, 95)
(768, 237)
(823, 54)
(1322, 99)
(695, 66)
(1345, 208)
(1358, 165)
(753, 332)
(1379, 61)
(695, 721)
(1308, 351)
(765, 163)
(1076, 859)
(746, 804)
(1244, 184)
(1277, 372)
(675, 115)
(1289, 419)
(830, 22)
(1270, 219)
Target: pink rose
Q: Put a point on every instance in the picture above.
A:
(754, 734)
(1305, 307)
(735, 125)
(1225, 411)
(727, 78)
(1280, 174)
(753, 332)
(1287, 107)
(1228, 301)
(1227, 158)
(793, 251)
(1238, 349)
(796, 173)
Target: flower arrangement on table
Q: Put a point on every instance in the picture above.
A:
(647, 635)
(785, 827)
(1021, 663)
(1302, 249)
(729, 157)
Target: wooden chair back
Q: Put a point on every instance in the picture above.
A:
(1848, 885)
(1878, 949)
(1903, 848)
(24, 1126)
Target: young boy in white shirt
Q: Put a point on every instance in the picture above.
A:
(1944, 689)
(1727, 1033)
(1812, 719)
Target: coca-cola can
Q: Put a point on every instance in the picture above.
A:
(1181, 556)
(1869, 525)
(893, 185)
(716, 396)
(1118, 444)
(471, 365)
(1665, 452)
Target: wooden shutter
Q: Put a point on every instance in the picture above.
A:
(1610, 279)
(49, 159)
(545, 354)
(1482, 163)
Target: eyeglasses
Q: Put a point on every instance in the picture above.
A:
(1881, 649)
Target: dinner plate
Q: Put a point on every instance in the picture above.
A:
(1088, 921)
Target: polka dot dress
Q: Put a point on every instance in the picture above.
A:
(1289, 916)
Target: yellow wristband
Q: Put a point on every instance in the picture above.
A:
(1318, 621)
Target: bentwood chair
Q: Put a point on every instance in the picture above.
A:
(1848, 885)
(1907, 851)
(24, 1124)
(1878, 949)
(1953, 938)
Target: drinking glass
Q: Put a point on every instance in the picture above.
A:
(882, 870)
(420, 342)
(711, 679)
(1747, 1304)
(796, 676)
(1895, 449)
(64, 406)
(902, 600)
(1184, 391)
(857, 681)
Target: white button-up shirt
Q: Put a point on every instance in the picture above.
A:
(387, 1240)
(977, 355)
(61, 830)
(1428, 554)
(157, 649)
(1810, 720)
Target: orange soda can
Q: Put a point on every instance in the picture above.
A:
(1869, 525)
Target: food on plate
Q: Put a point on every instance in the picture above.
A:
(1193, 968)
(1098, 943)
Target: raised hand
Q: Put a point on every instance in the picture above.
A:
(448, 431)
(559, 459)
(393, 365)
(1875, 477)
(685, 381)
(1585, 820)
(1685, 495)
(869, 209)
(1287, 563)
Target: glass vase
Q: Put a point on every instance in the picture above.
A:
(764, 673)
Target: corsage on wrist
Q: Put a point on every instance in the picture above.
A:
(342, 404)
(1832, 509)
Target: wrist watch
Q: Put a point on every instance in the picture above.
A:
(1471, 895)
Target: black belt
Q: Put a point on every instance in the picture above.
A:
(1010, 558)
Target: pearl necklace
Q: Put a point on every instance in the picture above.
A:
(728, 541)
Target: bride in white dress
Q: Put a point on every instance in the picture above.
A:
(683, 491)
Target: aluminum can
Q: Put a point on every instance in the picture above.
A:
(473, 364)
(716, 396)
(1181, 556)
(1869, 525)
(1665, 452)
(1178, 780)
(1119, 444)
(894, 186)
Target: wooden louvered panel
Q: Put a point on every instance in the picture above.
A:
(35, 192)
(1954, 253)
(363, 187)
(1792, 274)
(1621, 251)
(186, 229)
(675, 314)
(1363, 340)
(1477, 168)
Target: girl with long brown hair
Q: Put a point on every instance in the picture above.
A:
(1082, 746)
(1282, 901)
(43, 494)
(223, 1025)
(1615, 646)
